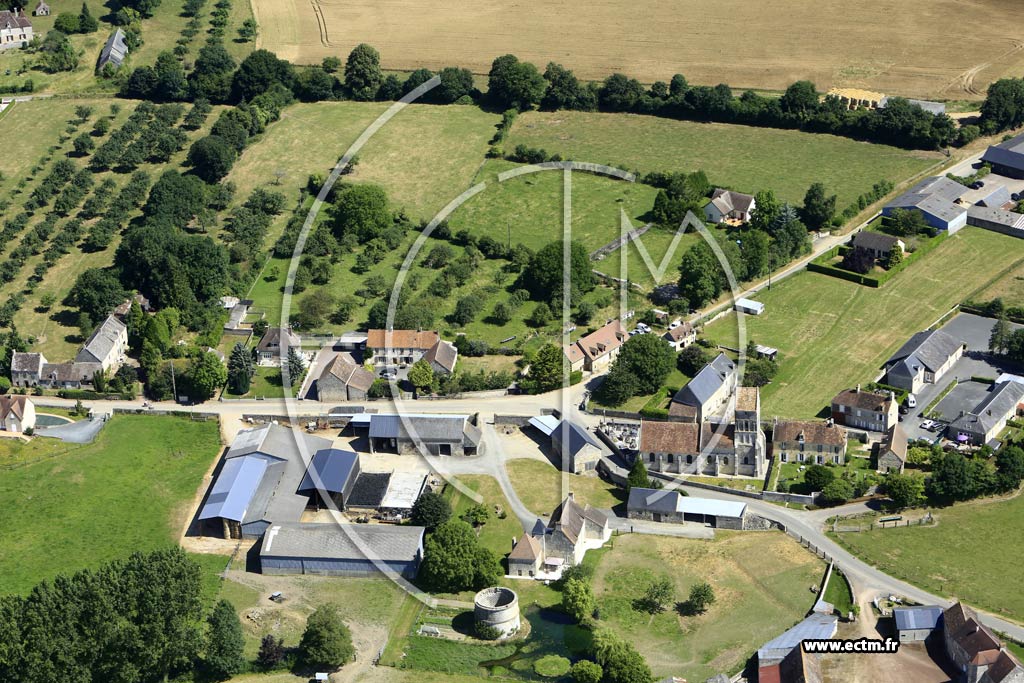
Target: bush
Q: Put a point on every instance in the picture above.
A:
(552, 666)
(486, 632)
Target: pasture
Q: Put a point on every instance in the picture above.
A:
(89, 504)
(833, 334)
(744, 44)
(917, 554)
(761, 584)
(539, 486)
(744, 158)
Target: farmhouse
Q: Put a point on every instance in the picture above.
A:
(729, 205)
(597, 350)
(937, 200)
(915, 624)
(398, 347)
(707, 393)
(892, 451)
(17, 413)
(815, 441)
(874, 411)
(573, 446)
(1006, 669)
(924, 359)
(429, 434)
(971, 646)
(983, 424)
(258, 482)
(353, 550)
(1007, 158)
(273, 347)
(660, 505)
(106, 346)
(680, 336)
(877, 244)
(15, 29)
(114, 51)
(331, 475)
(343, 380)
(545, 550)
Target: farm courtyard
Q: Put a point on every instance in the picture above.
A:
(840, 44)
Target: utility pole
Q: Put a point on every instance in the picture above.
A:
(174, 387)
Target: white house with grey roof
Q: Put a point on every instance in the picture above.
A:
(15, 29)
(936, 198)
(983, 424)
(258, 482)
(352, 550)
(708, 393)
(924, 359)
(728, 205)
(545, 550)
(107, 346)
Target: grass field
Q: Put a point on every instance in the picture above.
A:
(761, 584)
(539, 487)
(834, 334)
(742, 157)
(918, 554)
(1009, 288)
(742, 45)
(838, 593)
(127, 491)
(496, 534)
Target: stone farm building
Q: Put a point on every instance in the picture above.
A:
(343, 380)
(916, 624)
(15, 29)
(729, 205)
(354, 550)
(436, 434)
(42, 9)
(546, 549)
(662, 505)
(975, 650)
(17, 413)
(775, 657)
(572, 446)
(873, 411)
(258, 482)
(812, 441)
(708, 393)
(596, 351)
(892, 451)
(924, 359)
(105, 350)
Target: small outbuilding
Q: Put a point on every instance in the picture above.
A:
(915, 624)
(749, 306)
(659, 505)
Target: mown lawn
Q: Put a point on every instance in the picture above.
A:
(497, 534)
(833, 334)
(127, 491)
(742, 157)
(539, 486)
(761, 583)
(921, 555)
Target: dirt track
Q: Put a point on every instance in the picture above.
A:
(949, 49)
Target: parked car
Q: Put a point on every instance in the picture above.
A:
(927, 425)
(977, 185)
(911, 401)
(1015, 196)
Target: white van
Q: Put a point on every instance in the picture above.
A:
(911, 401)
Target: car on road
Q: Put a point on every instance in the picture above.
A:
(911, 401)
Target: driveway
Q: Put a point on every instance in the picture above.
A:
(83, 431)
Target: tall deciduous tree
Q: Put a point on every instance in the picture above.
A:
(511, 83)
(818, 208)
(578, 599)
(455, 561)
(225, 643)
(362, 72)
(546, 372)
(206, 374)
(648, 359)
(430, 510)
(326, 643)
(421, 375)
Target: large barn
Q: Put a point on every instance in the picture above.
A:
(341, 550)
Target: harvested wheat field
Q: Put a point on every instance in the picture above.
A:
(947, 49)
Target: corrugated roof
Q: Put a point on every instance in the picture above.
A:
(403, 490)
(329, 470)
(995, 215)
(660, 500)
(424, 427)
(814, 627)
(1009, 153)
(916, 618)
(545, 423)
(384, 542)
(234, 488)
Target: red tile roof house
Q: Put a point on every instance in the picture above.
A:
(596, 351)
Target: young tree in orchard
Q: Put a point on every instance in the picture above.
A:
(240, 369)
(326, 643)
(362, 72)
(430, 510)
(578, 599)
(225, 643)
(702, 596)
(421, 375)
(248, 30)
(818, 208)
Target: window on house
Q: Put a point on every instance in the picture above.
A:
(746, 460)
(836, 459)
(725, 461)
(651, 457)
(689, 460)
(800, 457)
(783, 457)
(820, 460)
(671, 458)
